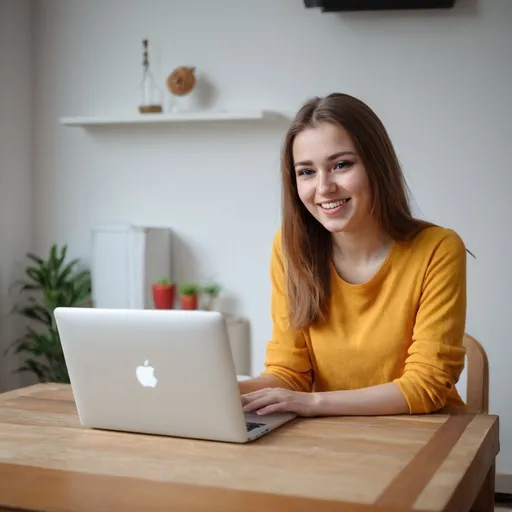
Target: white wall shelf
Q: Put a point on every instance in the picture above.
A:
(205, 115)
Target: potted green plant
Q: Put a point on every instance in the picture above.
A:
(163, 294)
(211, 292)
(189, 295)
(50, 283)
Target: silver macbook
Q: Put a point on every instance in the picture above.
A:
(165, 372)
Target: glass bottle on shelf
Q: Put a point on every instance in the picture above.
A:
(150, 94)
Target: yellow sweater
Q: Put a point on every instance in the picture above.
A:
(404, 325)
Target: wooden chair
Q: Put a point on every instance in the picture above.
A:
(477, 398)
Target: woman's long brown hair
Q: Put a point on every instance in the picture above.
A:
(306, 243)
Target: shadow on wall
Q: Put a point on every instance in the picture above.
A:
(205, 91)
(185, 267)
(184, 263)
(153, 135)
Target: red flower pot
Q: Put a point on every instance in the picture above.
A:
(189, 302)
(163, 296)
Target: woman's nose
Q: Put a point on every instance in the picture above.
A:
(326, 183)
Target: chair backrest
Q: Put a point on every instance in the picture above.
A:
(477, 398)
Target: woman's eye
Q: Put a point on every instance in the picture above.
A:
(342, 165)
(306, 172)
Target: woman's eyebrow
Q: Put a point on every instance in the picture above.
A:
(330, 157)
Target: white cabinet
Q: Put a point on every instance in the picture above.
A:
(126, 261)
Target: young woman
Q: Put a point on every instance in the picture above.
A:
(368, 303)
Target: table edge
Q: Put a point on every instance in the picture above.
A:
(76, 485)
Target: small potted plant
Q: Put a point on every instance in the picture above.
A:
(189, 295)
(163, 294)
(211, 292)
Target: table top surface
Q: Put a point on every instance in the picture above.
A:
(49, 462)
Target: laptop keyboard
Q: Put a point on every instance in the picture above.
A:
(252, 426)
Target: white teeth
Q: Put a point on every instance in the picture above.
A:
(330, 206)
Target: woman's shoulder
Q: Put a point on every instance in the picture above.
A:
(276, 252)
(277, 242)
(436, 240)
(278, 233)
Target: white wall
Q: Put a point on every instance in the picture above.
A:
(15, 168)
(441, 82)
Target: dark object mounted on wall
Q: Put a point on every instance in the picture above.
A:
(377, 5)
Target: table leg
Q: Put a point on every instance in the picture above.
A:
(485, 500)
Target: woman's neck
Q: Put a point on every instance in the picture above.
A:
(362, 245)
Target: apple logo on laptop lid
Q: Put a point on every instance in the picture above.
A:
(146, 375)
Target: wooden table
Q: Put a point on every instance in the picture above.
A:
(435, 462)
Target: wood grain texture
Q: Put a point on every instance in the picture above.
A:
(473, 457)
(322, 463)
(59, 490)
(406, 487)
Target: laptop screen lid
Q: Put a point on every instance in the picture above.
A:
(167, 372)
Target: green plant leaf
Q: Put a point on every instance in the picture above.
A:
(40, 345)
(31, 365)
(54, 262)
(30, 287)
(62, 257)
(212, 289)
(35, 258)
(37, 275)
(36, 312)
(66, 271)
(51, 283)
(187, 289)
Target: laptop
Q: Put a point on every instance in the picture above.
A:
(163, 372)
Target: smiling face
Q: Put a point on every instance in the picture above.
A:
(332, 182)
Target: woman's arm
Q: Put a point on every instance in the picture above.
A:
(287, 354)
(436, 356)
(380, 400)
(376, 400)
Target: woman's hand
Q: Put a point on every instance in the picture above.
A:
(270, 400)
